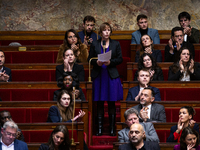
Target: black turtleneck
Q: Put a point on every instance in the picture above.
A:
(143, 32)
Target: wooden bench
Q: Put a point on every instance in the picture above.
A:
(162, 129)
(163, 146)
(40, 133)
(135, 47)
(171, 108)
(170, 90)
(132, 67)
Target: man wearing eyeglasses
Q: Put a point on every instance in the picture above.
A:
(6, 116)
(5, 73)
(175, 43)
(87, 35)
(8, 140)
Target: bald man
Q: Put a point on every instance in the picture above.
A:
(136, 137)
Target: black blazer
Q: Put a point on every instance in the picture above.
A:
(8, 72)
(156, 54)
(176, 76)
(116, 58)
(77, 69)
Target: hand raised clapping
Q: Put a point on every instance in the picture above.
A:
(80, 115)
(191, 67)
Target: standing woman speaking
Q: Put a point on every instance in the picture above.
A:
(106, 82)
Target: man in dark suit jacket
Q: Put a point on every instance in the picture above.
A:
(190, 34)
(143, 29)
(87, 35)
(136, 137)
(131, 116)
(5, 73)
(9, 133)
(149, 111)
(175, 43)
(143, 79)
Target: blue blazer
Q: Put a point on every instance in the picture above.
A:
(133, 92)
(54, 115)
(8, 72)
(93, 36)
(18, 145)
(153, 33)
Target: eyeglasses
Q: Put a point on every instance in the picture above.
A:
(10, 134)
(4, 118)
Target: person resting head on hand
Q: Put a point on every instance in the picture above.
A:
(59, 139)
(189, 140)
(72, 41)
(186, 114)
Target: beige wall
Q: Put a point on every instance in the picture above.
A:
(60, 15)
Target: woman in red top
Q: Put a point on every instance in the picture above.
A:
(186, 114)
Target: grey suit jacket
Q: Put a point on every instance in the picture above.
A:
(149, 129)
(153, 33)
(157, 113)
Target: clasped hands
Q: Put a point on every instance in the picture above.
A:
(178, 46)
(144, 114)
(4, 76)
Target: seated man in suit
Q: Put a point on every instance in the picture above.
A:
(136, 137)
(143, 79)
(175, 43)
(6, 116)
(190, 34)
(87, 35)
(5, 73)
(131, 116)
(8, 139)
(149, 111)
(143, 29)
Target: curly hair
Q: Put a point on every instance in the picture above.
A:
(65, 144)
(190, 109)
(74, 77)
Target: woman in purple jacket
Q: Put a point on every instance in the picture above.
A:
(189, 140)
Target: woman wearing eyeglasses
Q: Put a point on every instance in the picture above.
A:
(73, 41)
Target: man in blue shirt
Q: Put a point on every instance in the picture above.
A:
(87, 35)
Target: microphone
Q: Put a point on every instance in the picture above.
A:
(104, 46)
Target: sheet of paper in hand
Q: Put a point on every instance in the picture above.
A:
(105, 56)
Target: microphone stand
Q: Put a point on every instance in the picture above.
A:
(89, 78)
(72, 139)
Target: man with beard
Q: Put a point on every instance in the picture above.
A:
(149, 111)
(87, 35)
(175, 43)
(136, 137)
(5, 73)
